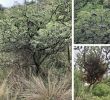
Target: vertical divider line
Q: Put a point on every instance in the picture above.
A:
(72, 49)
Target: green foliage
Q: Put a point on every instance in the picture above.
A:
(101, 90)
(79, 88)
(40, 30)
(92, 23)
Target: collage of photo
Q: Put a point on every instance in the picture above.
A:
(54, 49)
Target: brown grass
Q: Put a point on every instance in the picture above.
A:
(52, 89)
(36, 88)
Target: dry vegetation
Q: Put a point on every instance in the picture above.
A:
(36, 88)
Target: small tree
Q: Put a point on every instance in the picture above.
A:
(92, 65)
(41, 31)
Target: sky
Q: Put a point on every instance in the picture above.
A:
(9, 3)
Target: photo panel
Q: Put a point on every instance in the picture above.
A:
(91, 72)
(92, 21)
(35, 50)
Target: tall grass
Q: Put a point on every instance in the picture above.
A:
(3, 89)
(36, 88)
(54, 88)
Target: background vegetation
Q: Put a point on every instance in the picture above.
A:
(92, 23)
(35, 51)
(92, 78)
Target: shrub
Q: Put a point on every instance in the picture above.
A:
(101, 90)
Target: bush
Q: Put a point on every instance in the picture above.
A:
(101, 90)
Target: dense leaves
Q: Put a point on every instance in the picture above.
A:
(36, 31)
(101, 90)
(92, 22)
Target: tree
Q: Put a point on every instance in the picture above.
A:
(41, 31)
(93, 63)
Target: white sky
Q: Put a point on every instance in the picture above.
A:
(9, 3)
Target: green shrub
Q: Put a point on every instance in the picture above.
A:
(101, 90)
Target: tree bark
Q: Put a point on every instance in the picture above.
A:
(36, 64)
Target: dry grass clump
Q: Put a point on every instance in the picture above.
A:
(36, 88)
(54, 88)
(3, 89)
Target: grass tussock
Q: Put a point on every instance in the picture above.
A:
(3, 89)
(37, 88)
(53, 89)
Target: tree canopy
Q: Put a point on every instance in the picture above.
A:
(92, 21)
(36, 31)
